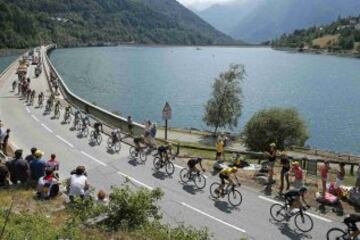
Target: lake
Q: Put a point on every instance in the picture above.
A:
(137, 81)
(5, 61)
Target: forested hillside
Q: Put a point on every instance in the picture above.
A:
(25, 23)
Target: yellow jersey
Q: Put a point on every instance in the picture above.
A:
(227, 171)
(220, 146)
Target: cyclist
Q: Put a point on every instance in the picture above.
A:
(164, 151)
(85, 122)
(57, 107)
(350, 222)
(32, 95)
(115, 135)
(68, 111)
(192, 165)
(28, 93)
(98, 127)
(14, 85)
(40, 98)
(296, 199)
(227, 174)
(77, 117)
(138, 141)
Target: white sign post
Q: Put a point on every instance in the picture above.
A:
(166, 113)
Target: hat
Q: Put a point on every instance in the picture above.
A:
(38, 153)
(295, 163)
(272, 145)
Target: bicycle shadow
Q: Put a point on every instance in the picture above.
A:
(224, 206)
(134, 162)
(92, 143)
(110, 151)
(190, 188)
(160, 175)
(289, 232)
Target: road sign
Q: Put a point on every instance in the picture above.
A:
(166, 113)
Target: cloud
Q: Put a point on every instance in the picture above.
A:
(200, 4)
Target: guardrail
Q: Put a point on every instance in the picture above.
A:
(111, 119)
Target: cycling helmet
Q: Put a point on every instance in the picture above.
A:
(303, 189)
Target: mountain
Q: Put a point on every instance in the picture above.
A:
(260, 20)
(25, 23)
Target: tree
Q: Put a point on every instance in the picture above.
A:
(282, 126)
(223, 109)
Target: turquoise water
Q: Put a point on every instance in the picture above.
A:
(139, 80)
(5, 61)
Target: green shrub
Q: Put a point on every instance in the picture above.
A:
(282, 126)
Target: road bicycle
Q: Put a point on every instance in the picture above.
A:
(114, 145)
(40, 102)
(84, 130)
(77, 125)
(351, 233)
(138, 154)
(281, 212)
(160, 162)
(95, 137)
(57, 112)
(196, 177)
(234, 196)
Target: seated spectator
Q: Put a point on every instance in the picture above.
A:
(53, 164)
(298, 175)
(37, 166)
(101, 198)
(31, 156)
(48, 185)
(78, 184)
(4, 175)
(18, 168)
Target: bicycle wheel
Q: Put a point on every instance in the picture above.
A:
(157, 163)
(235, 198)
(132, 152)
(109, 142)
(99, 139)
(200, 181)
(142, 156)
(91, 137)
(184, 175)
(85, 132)
(169, 168)
(117, 146)
(337, 234)
(214, 190)
(277, 212)
(303, 222)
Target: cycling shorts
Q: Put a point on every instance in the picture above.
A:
(223, 177)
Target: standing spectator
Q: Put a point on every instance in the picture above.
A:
(78, 183)
(357, 183)
(147, 134)
(31, 156)
(324, 170)
(48, 185)
(130, 126)
(340, 175)
(5, 140)
(54, 165)
(271, 161)
(37, 166)
(284, 174)
(153, 131)
(298, 175)
(18, 168)
(4, 175)
(219, 149)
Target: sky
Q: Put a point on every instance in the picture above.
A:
(200, 4)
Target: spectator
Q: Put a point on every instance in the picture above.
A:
(18, 168)
(48, 186)
(130, 126)
(4, 175)
(78, 183)
(31, 156)
(284, 174)
(101, 198)
(271, 161)
(54, 165)
(219, 149)
(5, 140)
(357, 183)
(324, 170)
(153, 131)
(340, 175)
(298, 175)
(37, 166)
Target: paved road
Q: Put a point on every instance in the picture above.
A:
(181, 204)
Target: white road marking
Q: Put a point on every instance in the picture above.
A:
(92, 158)
(213, 218)
(35, 118)
(62, 139)
(134, 180)
(46, 127)
(27, 109)
(311, 214)
(177, 166)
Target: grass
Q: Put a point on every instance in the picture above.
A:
(322, 42)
